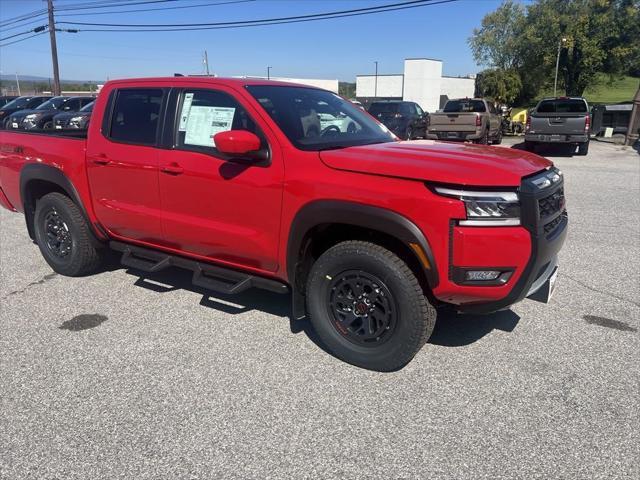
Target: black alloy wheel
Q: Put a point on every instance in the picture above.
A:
(58, 236)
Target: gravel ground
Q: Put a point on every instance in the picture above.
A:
(115, 376)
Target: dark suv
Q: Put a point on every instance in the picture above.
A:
(20, 103)
(406, 119)
(42, 116)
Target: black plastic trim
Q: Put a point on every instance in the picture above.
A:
(327, 212)
(53, 175)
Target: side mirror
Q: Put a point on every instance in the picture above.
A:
(236, 142)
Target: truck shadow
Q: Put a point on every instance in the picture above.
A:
(452, 330)
(550, 150)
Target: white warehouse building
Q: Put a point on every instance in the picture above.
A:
(422, 82)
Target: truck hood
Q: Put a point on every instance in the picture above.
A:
(455, 163)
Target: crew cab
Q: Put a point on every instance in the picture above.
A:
(467, 119)
(368, 234)
(561, 120)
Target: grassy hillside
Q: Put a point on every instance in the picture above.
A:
(603, 91)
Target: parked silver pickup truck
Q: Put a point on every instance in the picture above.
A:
(559, 120)
(472, 119)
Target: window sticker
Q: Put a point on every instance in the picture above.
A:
(204, 122)
(186, 108)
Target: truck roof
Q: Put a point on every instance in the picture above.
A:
(242, 82)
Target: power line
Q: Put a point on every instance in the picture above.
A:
(39, 29)
(335, 14)
(23, 39)
(328, 16)
(109, 5)
(22, 18)
(156, 9)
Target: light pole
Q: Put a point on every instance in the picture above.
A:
(555, 83)
(268, 73)
(375, 85)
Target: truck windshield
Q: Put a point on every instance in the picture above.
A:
(53, 104)
(461, 106)
(563, 105)
(317, 120)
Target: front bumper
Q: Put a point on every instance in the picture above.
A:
(544, 217)
(553, 138)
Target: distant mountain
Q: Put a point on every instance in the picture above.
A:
(35, 78)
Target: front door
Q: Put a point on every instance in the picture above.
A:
(212, 207)
(122, 166)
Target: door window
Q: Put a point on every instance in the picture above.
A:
(136, 114)
(204, 113)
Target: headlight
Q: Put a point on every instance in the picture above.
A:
(486, 208)
(76, 119)
(31, 116)
(552, 177)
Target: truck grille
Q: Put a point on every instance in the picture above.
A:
(551, 204)
(551, 226)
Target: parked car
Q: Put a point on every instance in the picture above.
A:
(6, 99)
(467, 119)
(218, 176)
(561, 120)
(42, 116)
(74, 120)
(406, 119)
(20, 103)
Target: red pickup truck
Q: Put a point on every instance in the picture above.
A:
(239, 181)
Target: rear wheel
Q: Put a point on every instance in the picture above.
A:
(484, 139)
(63, 236)
(48, 125)
(583, 148)
(368, 307)
(498, 139)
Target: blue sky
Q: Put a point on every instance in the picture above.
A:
(338, 48)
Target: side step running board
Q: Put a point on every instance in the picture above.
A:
(211, 277)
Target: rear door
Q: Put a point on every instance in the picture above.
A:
(122, 164)
(225, 211)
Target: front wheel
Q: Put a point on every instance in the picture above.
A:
(368, 307)
(63, 236)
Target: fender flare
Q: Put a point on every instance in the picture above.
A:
(57, 177)
(350, 213)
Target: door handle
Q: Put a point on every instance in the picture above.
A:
(101, 159)
(172, 169)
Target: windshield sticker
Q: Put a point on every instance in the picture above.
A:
(186, 108)
(204, 122)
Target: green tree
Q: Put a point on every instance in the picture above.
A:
(503, 86)
(600, 36)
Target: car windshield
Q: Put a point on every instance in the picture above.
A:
(54, 104)
(88, 107)
(564, 105)
(461, 106)
(317, 120)
(17, 103)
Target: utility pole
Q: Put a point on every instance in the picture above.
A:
(555, 84)
(268, 73)
(18, 84)
(54, 49)
(206, 63)
(375, 86)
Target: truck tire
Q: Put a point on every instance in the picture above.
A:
(498, 139)
(484, 139)
(583, 148)
(63, 236)
(367, 306)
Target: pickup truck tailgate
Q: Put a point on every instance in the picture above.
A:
(453, 122)
(562, 124)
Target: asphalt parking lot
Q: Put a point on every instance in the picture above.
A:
(115, 376)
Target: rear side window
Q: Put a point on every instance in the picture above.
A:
(377, 108)
(204, 113)
(135, 116)
(567, 105)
